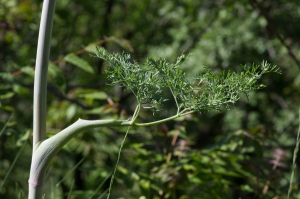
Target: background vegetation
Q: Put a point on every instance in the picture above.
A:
(242, 153)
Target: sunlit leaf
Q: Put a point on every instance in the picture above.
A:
(7, 95)
(94, 95)
(28, 70)
(91, 48)
(80, 63)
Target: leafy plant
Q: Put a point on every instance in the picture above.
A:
(147, 82)
(209, 91)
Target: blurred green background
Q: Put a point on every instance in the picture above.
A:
(245, 152)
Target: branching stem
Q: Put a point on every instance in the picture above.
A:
(136, 112)
(180, 114)
(178, 107)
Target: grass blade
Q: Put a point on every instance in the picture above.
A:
(21, 193)
(68, 173)
(3, 129)
(103, 194)
(70, 192)
(294, 161)
(12, 165)
(52, 189)
(99, 187)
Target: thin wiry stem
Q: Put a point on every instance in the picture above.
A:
(135, 115)
(294, 160)
(181, 114)
(118, 159)
(4, 127)
(136, 112)
(12, 165)
(178, 107)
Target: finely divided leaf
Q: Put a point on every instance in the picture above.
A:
(210, 91)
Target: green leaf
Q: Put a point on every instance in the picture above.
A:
(7, 95)
(71, 112)
(125, 44)
(80, 63)
(6, 76)
(28, 70)
(23, 138)
(95, 110)
(94, 95)
(91, 48)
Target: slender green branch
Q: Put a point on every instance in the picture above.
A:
(136, 112)
(294, 160)
(156, 122)
(116, 166)
(178, 107)
(164, 120)
(185, 113)
(5, 125)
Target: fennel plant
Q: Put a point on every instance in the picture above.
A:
(148, 82)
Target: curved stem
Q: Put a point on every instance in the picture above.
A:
(47, 149)
(156, 122)
(180, 114)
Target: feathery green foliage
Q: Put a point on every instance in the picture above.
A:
(210, 91)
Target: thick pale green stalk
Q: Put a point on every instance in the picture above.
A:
(40, 86)
(41, 69)
(45, 151)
